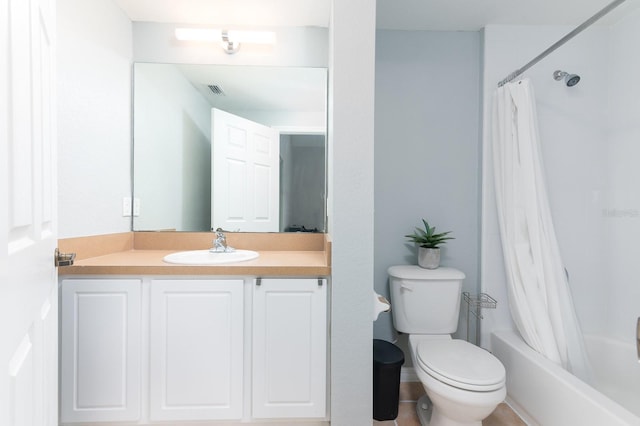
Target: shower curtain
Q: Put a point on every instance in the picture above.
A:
(539, 295)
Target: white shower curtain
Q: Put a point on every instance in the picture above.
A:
(539, 295)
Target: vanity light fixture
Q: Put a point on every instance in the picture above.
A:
(230, 39)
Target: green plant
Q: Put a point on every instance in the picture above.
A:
(427, 237)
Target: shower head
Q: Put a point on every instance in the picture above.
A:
(569, 79)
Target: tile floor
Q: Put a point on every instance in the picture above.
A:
(411, 391)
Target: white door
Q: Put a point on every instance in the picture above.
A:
(245, 174)
(28, 284)
(196, 360)
(289, 348)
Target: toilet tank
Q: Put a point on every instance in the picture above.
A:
(425, 301)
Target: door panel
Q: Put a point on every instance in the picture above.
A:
(289, 342)
(28, 288)
(197, 340)
(245, 174)
(101, 334)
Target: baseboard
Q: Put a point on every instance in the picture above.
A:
(520, 412)
(408, 374)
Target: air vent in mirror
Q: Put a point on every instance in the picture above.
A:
(216, 90)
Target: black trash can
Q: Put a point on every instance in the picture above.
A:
(387, 362)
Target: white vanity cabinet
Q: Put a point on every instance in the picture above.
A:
(289, 340)
(196, 356)
(100, 350)
(153, 350)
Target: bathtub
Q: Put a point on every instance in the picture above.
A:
(545, 394)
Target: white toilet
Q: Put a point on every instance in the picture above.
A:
(464, 383)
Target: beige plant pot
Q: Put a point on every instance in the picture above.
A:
(428, 258)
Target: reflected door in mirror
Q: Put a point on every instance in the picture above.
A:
(245, 174)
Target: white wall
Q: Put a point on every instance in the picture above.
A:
(173, 130)
(427, 160)
(581, 162)
(94, 117)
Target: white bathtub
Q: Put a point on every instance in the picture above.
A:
(545, 394)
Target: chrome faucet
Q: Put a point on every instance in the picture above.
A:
(220, 243)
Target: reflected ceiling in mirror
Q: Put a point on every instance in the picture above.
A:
(173, 131)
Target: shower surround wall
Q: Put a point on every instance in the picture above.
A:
(621, 211)
(589, 146)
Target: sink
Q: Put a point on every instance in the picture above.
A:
(206, 257)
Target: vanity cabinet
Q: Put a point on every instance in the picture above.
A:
(152, 350)
(100, 350)
(289, 340)
(196, 356)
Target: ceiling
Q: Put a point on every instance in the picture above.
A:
(452, 15)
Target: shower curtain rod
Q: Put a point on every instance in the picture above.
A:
(562, 41)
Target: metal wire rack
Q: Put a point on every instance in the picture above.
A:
(475, 305)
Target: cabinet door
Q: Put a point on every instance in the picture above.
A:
(196, 344)
(100, 350)
(289, 348)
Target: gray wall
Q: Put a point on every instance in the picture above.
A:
(302, 181)
(350, 208)
(306, 176)
(427, 151)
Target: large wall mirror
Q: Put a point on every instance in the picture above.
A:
(182, 181)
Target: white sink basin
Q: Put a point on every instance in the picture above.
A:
(205, 257)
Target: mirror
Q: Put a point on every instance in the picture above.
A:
(172, 151)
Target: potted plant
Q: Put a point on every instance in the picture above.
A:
(429, 245)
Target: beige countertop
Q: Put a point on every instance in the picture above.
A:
(142, 253)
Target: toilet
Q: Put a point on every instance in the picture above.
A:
(463, 382)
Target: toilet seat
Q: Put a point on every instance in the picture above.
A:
(460, 364)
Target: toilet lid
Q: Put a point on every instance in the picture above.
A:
(461, 364)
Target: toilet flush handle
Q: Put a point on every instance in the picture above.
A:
(406, 286)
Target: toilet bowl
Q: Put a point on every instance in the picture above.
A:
(463, 382)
